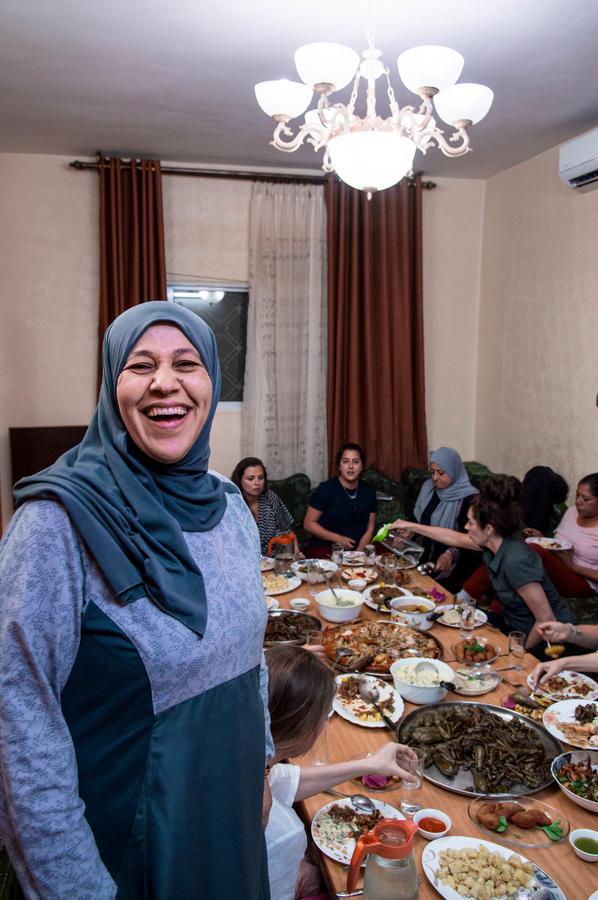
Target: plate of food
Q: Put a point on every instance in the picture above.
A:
(380, 643)
(379, 597)
(335, 826)
(576, 773)
(285, 626)
(279, 584)
(519, 821)
(327, 567)
(471, 682)
(368, 573)
(566, 686)
(451, 616)
(454, 866)
(530, 705)
(266, 564)
(550, 543)
(353, 557)
(349, 704)
(473, 748)
(573, 721)
(271, 602)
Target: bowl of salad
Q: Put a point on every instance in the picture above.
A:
(576, 773)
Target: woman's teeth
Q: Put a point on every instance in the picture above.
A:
(166, 412)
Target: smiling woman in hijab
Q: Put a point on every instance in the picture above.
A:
(132, 728)
(443, 500)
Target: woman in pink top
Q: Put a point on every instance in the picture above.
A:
(574, 572)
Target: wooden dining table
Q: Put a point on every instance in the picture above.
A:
(576, 878)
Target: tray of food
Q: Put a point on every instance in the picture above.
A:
(471, 682)
(550, 543)
(566, 686)
(474, 748)
(574, 722)
(285, 626)
(380, 643)
(519, 821)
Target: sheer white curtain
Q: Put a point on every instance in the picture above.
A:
(284, 418)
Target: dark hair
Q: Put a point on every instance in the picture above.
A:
(496, 505)
(247, 463)
(350, 446)
(592, 482)
(300, 693)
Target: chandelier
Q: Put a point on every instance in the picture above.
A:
(372, 152)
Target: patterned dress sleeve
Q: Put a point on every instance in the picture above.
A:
(42, 822)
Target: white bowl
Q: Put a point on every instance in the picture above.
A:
(413, 619)
(584, 832)
(575, 756)
(299, 603)
(326, 565)
(331, 612)
(357, 584)
(434, 814)
(419, 694)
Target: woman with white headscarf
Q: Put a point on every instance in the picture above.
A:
(443, 501)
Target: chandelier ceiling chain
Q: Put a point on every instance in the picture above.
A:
(371, 152)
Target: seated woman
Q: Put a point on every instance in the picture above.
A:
(526, 594)
(575, 572)
(301, 690)
(566, 632)
(268, 510)
(444, 500)
(342, 510)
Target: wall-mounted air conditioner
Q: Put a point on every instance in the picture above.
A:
(578, 162)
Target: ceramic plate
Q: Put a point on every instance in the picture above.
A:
(472, 683)
(570, 691)
(277, 587)
(431, 864)
(521, 837)
(299, 567)
(353, 557)
(367, 596)
(271, 603)
(266, 564)
(480, 617)
(562, 713)
(366, 572)
(340, 848)
(359, 712)
(550, 543)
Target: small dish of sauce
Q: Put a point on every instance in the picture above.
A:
(587, 844)
(435, 826)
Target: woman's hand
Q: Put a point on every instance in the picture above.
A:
(318, 651)
(392, 759)
(531, 532)
(346, 543)
(555, 631)
(546, 670)
(444, 563)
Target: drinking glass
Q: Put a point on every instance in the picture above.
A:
(411, 786)
(337, 554)
(390, 569)
(314, 578)
(468, 612)
(370, 555)
(517, 647)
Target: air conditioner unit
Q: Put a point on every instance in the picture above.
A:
(578, 162)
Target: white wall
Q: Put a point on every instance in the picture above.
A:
(538, 344)
(50, 285)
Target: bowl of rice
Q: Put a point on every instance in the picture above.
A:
(342, 606)
(420, 687)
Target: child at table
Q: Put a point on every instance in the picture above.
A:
(301, 689)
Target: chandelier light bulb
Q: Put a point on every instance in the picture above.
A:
(324, 63)
(429, 66)
(371, 160)
(469, 102)
(283, 98)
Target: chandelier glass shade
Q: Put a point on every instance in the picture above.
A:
(372, 152)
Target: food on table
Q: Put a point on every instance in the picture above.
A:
(413, 608)
(433, 594)
(347, 693)
(585, 714)
(266, 564)
(587, 845)
(580, 778)
(468, 681)
(411, 675)
(431, 825)
(554, 650)
(366, 572)
(451, 616)
(342, 822)
(353, 557)
(533, 707)
(339, 598)
(584, 730)
(382, 642)
(483, 874)
(383, 594)
(504, 816)
(475, 650)
(284, 625)
(467, 737)
(566, 686)
(379, 782)
(274, 582)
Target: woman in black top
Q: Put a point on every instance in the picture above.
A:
(342, 510)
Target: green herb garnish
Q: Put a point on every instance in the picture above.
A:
(553, 831)
(475, 647)
(502, 824)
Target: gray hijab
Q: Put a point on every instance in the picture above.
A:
(451, 497)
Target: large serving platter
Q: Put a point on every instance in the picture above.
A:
(431, 865)
(462, 782)
(369, 630)
(300, 620)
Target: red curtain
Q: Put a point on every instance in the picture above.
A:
(375, 324)
(132, 257)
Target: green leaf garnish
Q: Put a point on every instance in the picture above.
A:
(553, 831)
(502, 824)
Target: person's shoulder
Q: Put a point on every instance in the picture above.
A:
(40, 515)
(41, 527)
(517, 551)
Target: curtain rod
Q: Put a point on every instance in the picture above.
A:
(231, 174)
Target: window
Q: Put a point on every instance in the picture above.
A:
(224, 309)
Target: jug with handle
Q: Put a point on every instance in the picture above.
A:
(390, 871)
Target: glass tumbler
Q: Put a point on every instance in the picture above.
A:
(337, 554)
(517, 648)
(314, 577)
(411, 786)
(468, 613)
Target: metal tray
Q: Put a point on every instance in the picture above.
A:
(462, 783)
(386, 676)
(291, 615)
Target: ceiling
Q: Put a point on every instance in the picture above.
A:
(175, 79)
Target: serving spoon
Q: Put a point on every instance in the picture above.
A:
(370, 693)
(359, 801)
